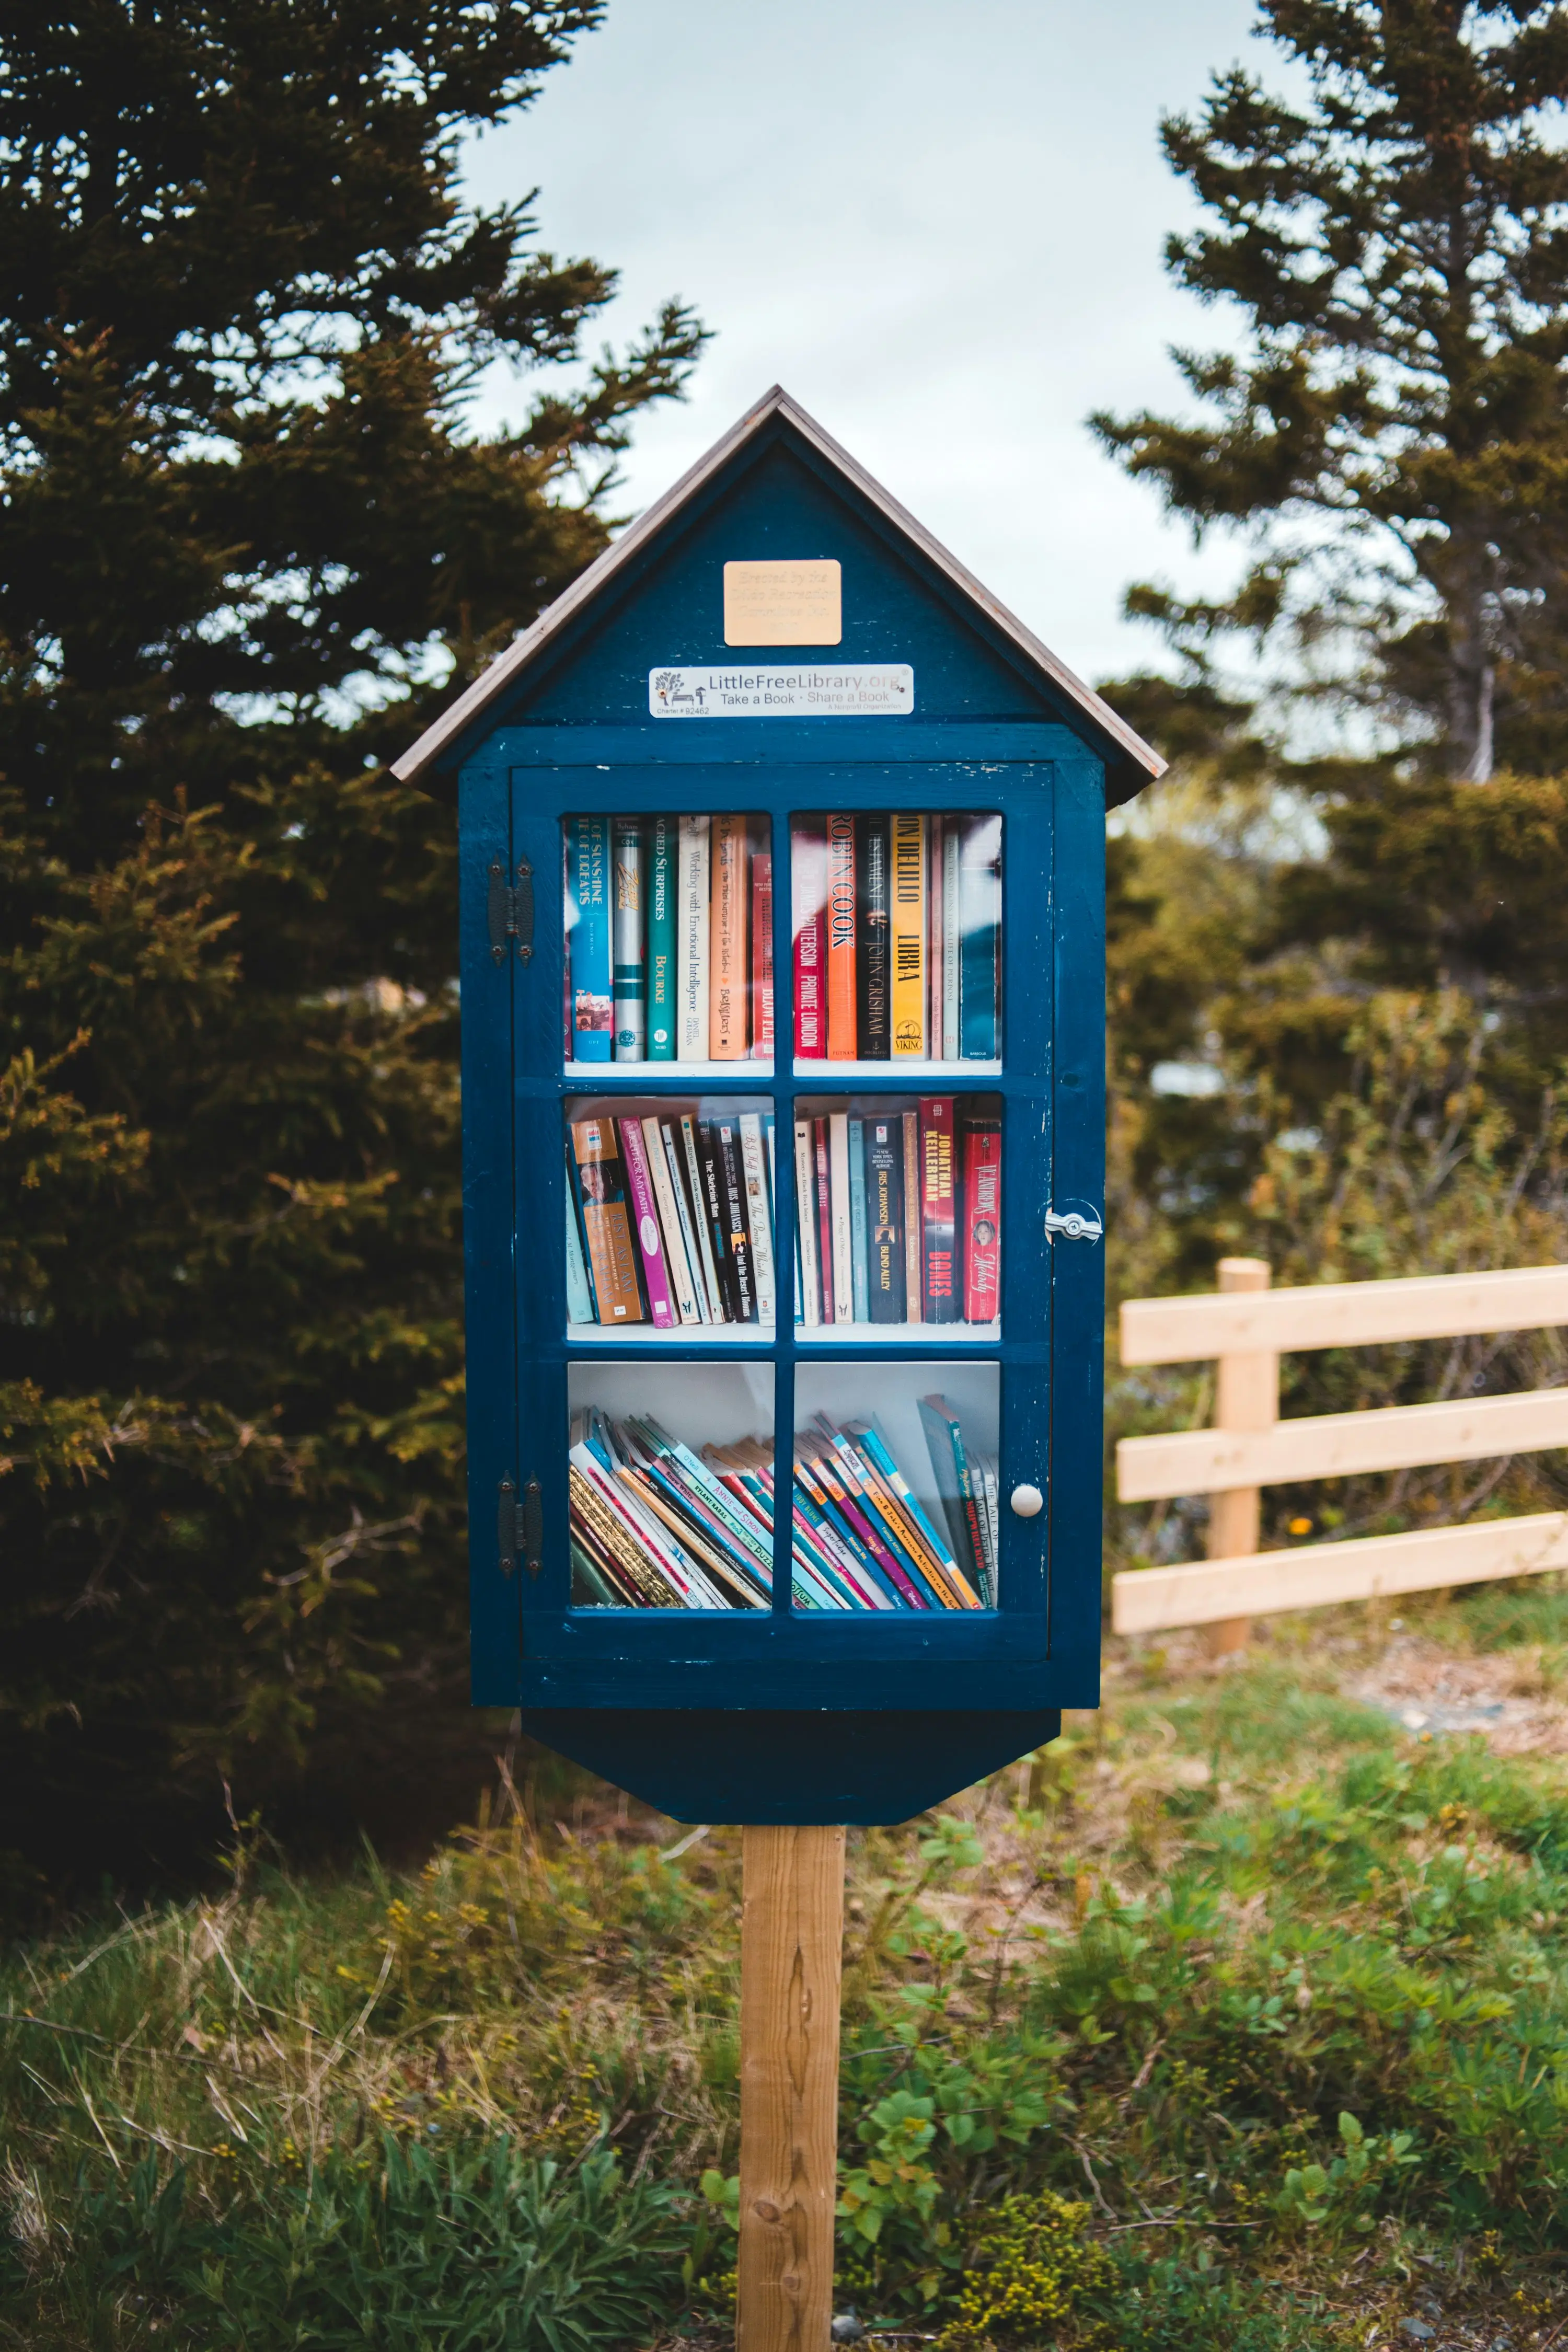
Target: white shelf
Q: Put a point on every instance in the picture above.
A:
(897, 1335)
(896, 1077)
(648, 1078)
(648, 1335)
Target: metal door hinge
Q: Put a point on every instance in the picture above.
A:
(1074, 1225)
(519, 1527)
(509, 911)
(507, 1530)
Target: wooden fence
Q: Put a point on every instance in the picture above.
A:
(1245, 1328)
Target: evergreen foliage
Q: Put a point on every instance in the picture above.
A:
(251, 538)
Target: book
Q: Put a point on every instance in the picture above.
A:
(627, 970)
(823, 1199)
(980, 925)
(683, 1289)
(729, 963)
(737, 1237)
(980, 1136)
(590, 938)
(691, 940)
(579, 1299)
(862, 1312)
(941, 1298)
(952, 938)
(759, 1221)
(607, 1228)
(810, 1288)
(662, 1310)
(954, 1487)
(701, 1224)
(872, 1444)
(872, 916)
(671, 1144)
(762, 955)
(842, 994)
(808, 911)
(935, 829)
(843, 1252)
(982, 1472)
(716, 1208)
(663, 880)
(885, 1219)
(912, 1221)
(909, 936)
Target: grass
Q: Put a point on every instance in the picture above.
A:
(1236, 2019)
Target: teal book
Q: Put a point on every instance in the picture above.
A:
(956, 1491)
(629, 944)
(662, 876)
(579, 1298)
(980, 939)
(858, 1282)
(589, 890)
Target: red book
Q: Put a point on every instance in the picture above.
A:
(762, 955)
(939, 1290)
(843, 995)
(981, 1219)
(819, 1129)
(808, 915)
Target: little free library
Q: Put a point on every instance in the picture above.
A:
(783, 1012)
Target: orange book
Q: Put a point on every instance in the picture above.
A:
(602, 1185)
(843, 1043)
(730, 966)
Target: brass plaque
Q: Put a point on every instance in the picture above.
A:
(793, 604)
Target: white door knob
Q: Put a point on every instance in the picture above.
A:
(1026, 1501)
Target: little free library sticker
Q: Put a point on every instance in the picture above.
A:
(804, 690)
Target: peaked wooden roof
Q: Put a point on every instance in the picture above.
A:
(507, 666)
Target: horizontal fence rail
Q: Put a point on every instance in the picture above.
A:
(1245, 1327)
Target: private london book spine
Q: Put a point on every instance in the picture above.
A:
(842, 992)
(727, 941)
(663, 881)
(939, 1300)
(982, 1140)
(808, 911)
(692, 918)
(873, 1001)
(591, 999)
(628, 975)
(661, 1304)
(909, 936)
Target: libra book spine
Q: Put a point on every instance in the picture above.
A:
(683, 1288)
(858, 1250)
(909, 936)
(873, 998)
(726, 1133)
(842, 992)
(939, 1298)
(601, 1187)
(663, 880)
(727, 941)
(762, 955)
(885, 1219)
(808, 912)
(935, 827)
(823, 1217)
(843, 1242)
(982, 1139)
(952, 938)
(912, 1220)
(979, 923)
(591, 1000)
(759, 1223)
(806, 1223)
(645, 1219)
(691, 943)
(628, 969)
(701, 1225)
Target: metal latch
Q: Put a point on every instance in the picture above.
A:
(509, 911)
(519, 1527)
(1074, 1225)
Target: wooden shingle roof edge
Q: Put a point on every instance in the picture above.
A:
(507, 666)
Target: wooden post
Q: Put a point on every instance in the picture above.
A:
(792, 1924)
(1247, 1396)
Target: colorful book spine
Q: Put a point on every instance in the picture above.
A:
(823, 1217)
(980, 922)
(592, 1005)
(936, 829)
(683, 1288)
(730, 962)
(605, 1227)
(911, 1121)
(715, 1204)
(842, 990)
(952, 937)
(663, 882)
(808, 917)
(955, 1486)
(843, 1245)
(579, 1301)
(982, 1139)
(727, 1137)
(940, 1301)
(873, 914)
(762, 955)
(689, 1227)
(701, 1224)
(909, 936)
(691, 918)
(810, 1289)
(858, 1242)
(628, 969)
(644, 1203)
(759, 1221)
(885, 1219)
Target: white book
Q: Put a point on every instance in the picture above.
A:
(700, 1217)
(951, 939)
(806, 1221)
(843, 1244)
(693, 882)
(753, 1167)
(683, 1217)
(674, 1256)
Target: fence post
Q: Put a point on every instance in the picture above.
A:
(791, 1926)
(1247, 1396)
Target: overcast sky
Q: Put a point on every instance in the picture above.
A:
(939, 226)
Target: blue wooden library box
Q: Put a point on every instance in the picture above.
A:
(782, 1014)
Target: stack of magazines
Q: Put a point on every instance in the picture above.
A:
(656, 1526)
(669, 1219)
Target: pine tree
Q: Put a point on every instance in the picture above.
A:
(1395, 433)
(251, 540)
